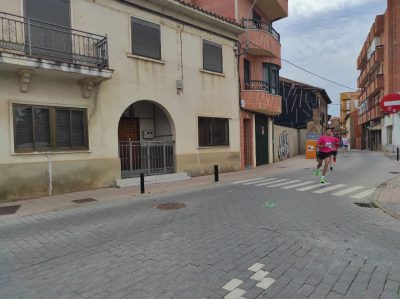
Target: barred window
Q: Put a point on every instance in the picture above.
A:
(146, 38)
(212, 57)
(213, 131)
(39, 128)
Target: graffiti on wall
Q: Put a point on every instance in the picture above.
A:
(283, 147)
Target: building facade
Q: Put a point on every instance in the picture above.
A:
(259, 63)
(84, 102)
(349, 103)
(379, 65)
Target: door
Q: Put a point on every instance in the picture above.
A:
(128, 129)
(47, 38)
(129, 145)
(247, 143)
(246, 74)
(261, 140)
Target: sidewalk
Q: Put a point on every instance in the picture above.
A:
(387, 195)
(62, 201)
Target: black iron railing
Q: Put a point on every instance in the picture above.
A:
(30, 37)
(256, 85)
(260, 25)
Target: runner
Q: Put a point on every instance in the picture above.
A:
(325, 148)
(345, 144)
(336, 145)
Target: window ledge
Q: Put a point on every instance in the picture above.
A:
(144, 58)
(212, 73)
(51, 153)
(213, 147)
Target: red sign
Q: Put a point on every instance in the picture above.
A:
(390, 103)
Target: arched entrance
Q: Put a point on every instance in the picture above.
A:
(146, 137)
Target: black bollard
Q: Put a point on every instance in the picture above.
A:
(142, 183)
(216, 176)
(397, 154)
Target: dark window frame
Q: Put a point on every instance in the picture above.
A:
(218, 69)
(273, 77)
(218, 131)
(52, 129)
(135, 20)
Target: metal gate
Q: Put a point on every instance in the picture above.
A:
(148, 157)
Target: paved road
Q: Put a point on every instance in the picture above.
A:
(237, 240)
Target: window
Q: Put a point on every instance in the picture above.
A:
(212, 56)
(271, 77)
(38, 128)
(146, 39)
(246, 71)
(213, 131)
(389, 131)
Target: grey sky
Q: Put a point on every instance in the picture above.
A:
(325, 37)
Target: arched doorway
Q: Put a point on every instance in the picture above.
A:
(146, 137)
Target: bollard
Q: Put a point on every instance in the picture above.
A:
(397, 154)
(216, 176)
(142, 183)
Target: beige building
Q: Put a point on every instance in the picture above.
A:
(92, 91)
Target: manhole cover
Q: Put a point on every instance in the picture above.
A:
(171, 206)
(395, 172)
(366, 204)
(83, 200)
(8, 210)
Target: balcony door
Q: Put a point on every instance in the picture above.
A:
(48, 35)
(246, 74)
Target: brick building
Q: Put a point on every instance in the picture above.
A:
(349, 103)
(379, 65)
(259, 53)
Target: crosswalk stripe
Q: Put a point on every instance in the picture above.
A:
(259, 181)
(298, 185)
(349, 190)
(331, 188)
(312, 187)
(273, 182)
(249, 180)
(283, 184)
(363, 194)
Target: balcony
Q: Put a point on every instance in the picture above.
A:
(262, 39)
(257, 98)
(375, 59)
(273, 9)
(362, 79)
(376, 85)
(379, 25)
(30, 45)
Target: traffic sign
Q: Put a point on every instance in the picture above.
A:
(390, 103)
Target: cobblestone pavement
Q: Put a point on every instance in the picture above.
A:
(231, 240)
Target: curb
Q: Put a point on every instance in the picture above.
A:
(376, 201)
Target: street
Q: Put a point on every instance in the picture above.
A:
(284, 236)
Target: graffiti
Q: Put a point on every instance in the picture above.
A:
(283, 148)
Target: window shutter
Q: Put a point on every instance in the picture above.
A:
(146, 39)
(23, 128)
(212, 56)
(42, 128)
(63, 128)
(78, 126)
(51, 11)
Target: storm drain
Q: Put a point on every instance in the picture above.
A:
(9, 210)
(83, 200)
(171, 206)
(366, 204)
(395, 172)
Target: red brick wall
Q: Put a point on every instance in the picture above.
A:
(224, 8)
(246, 116)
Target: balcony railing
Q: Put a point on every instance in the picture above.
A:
(256, 85)
(34, 38)
(260, 25)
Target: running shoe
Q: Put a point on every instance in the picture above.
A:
(322, 180)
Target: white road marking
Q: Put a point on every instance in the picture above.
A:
(265, 283)
(259, 181)
(272, 182)
(235, 294)
(256, 267)
(364, 194)
(312, 187)
(233, 284)
(259, 275)
(331, 188)
(298, 185)
(349, 190)
(249, 180)
(283, 184)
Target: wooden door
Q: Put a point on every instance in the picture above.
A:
(128, 129)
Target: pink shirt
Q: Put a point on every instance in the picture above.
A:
(336, 144)
(326, 143)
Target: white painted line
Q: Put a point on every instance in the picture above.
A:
(259, 181)
(363, 194)
(331, 188)
(298, 185)
(349, 190)
(265, 283)
(312, 187)
(259, 275)
(268, 183)
(391, 103)
(235, 294)
(249, 180)
(256, 267)
(233, 284)
(283, 184)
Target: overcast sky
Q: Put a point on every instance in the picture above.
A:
(325, 37)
